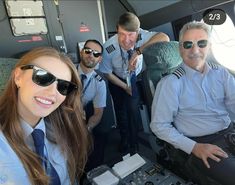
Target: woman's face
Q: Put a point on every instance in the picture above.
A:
(35, 101)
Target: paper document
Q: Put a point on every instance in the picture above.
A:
(106, 178)
(129, 165)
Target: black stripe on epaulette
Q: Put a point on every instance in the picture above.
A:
(179, 72)
(110, 48)
(213, 65)
(139, 37)
(98, 77)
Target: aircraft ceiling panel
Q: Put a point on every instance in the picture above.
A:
(145, 6)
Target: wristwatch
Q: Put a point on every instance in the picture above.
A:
(138, 51)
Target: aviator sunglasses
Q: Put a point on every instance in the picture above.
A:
(96, 54)
(43, 78)
(189, 44)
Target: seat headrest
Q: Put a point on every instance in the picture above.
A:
(161, 58)
(162, 55)
(6, 66)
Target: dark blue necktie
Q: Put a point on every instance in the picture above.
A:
(133, 78)
(38, 138)
(130, 53)
(83, 77)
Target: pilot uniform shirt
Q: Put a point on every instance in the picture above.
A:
(115, 59)
(196, 104)
(12, 171)
(94, 89)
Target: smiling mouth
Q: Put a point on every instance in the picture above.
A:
(43, 101)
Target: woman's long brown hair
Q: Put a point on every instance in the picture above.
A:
(64, 126)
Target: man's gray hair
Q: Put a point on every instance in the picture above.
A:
(195, 25)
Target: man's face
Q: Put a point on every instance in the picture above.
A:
(126, 39)
(91, 55)
(194, 48)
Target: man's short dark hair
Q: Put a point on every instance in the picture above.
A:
(96, 42)
(129, 22)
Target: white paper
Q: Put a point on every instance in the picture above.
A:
(106, 178)
(129, 165)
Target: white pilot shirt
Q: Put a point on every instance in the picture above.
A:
(12, 171)
(197, 104)
(94, 89)
(115, 59)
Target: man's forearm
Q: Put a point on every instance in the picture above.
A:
(94, 120)
(159, 37)
(115, 80)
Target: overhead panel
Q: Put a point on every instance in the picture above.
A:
(24, 8)
(26, 17)
(28, 26)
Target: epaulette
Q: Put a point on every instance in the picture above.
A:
(179, 72)
(110, 48)
(139, 37)
(213, 65)
(98, 77)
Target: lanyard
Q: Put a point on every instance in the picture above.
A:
(88, 83)
(124, 60)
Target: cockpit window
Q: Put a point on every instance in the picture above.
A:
(223, 43)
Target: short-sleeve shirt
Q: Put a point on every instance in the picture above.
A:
(94, 89)
(115, 58)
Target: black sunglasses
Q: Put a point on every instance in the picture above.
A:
(200, 44)
(44, 78)
(96, 54)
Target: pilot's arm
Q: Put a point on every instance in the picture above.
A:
(229, 86)
(94, 120)
(164, 108)
(115, 80)
(99, 102)
(157, 37)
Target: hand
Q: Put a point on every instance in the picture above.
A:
(132, 62)
(203, 151)
(128, 90)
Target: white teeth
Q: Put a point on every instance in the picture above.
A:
(44, 101)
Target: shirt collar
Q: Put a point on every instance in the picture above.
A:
(28, 129)
(207, 68)
(125, 51)
(88, 75)
(191, 72)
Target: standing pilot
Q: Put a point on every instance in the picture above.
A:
(122, 62)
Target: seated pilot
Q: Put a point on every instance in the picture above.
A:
(93, 98)
(190, 108)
